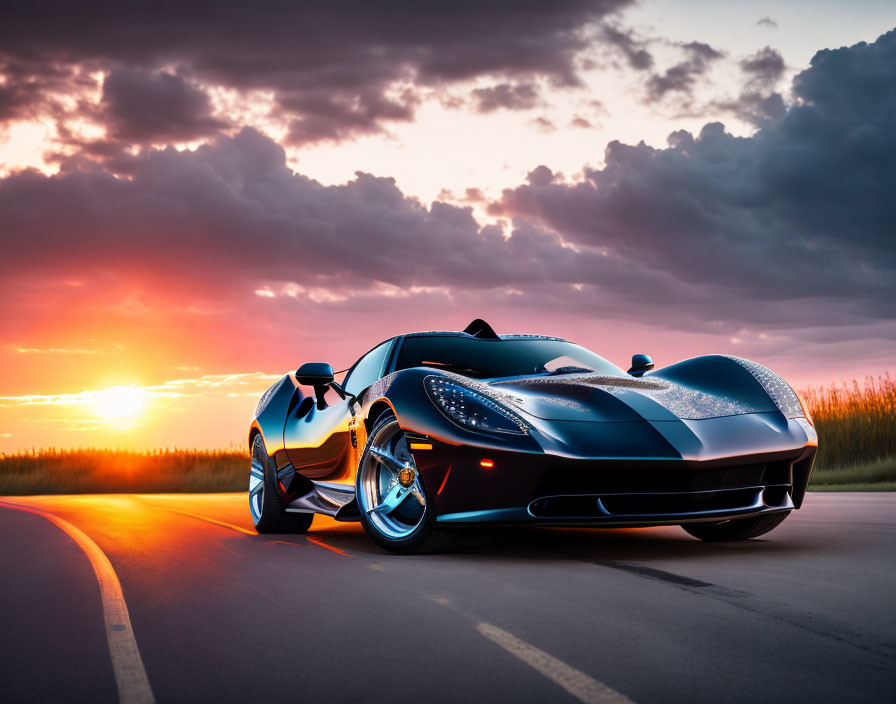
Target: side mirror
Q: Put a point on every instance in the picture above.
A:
(640, 363)
(314, 374)
(320, 376)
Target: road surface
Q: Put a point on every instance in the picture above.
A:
(217, 613)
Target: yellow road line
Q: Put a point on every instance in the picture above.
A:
(577, 683)
(130, 675)
(212, 520)
(252, 532)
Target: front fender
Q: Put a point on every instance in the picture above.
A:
(272, 418)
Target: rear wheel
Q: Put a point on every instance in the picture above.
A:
(265, 505)
(391, 496)
(736, 529)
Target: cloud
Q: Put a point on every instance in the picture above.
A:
(758, 102)
(24, 87)
(772, 224)
(335, 71)
(55, 350)
(544, 124)
(235, 206)
(633, 48)
(523, 96)
(223, 384)
(764, 68)
(791, 229)
(681, 77)
(229, 226)
(139, 106)
(755, 107)
(32, 87)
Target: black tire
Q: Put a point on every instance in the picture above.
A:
(737, 529)
(427, 537)
(273, 517)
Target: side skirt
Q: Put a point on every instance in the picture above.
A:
(330, 499)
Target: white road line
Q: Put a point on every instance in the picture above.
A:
(130, 675)
(577, 683)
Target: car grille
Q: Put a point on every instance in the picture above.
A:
(609, 505)
(627, 479)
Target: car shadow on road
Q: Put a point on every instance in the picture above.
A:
(528, 544)
(642, 545)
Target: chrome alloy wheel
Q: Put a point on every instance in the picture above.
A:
(256, 479)
(390, 493)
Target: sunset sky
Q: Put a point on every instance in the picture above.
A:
(195, 198)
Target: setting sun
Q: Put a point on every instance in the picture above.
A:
(118, 403)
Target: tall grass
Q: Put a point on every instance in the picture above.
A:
(856, 427)
(856, 423)
(117, 471)
(880, 475)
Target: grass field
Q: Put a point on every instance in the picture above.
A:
(856, 426)
(116, 471)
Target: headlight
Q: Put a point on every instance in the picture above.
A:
(472, 409)
(784, 397)
(265, 397)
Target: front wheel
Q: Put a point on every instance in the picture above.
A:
(737, 529)
(268, 513)
(392, 498)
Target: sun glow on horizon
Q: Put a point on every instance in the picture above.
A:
(118, 403)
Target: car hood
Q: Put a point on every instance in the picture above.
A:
(602, 398)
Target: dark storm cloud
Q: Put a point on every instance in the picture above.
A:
(792, 227)
(336, 70)
(802, 209)
(523, 96)
(682, 77)
(219, 221)
(236, 208)
(155, 107)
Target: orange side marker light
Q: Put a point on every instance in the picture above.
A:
(420, 445)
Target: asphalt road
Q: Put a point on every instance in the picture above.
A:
(806, 614)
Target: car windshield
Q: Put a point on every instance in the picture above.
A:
(488, 359)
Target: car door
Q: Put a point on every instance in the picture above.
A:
(318, 440)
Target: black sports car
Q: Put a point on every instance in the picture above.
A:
(430, 432)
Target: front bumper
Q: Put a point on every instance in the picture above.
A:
(526, 487)
(638, 509)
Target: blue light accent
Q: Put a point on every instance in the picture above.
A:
(495, 514)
